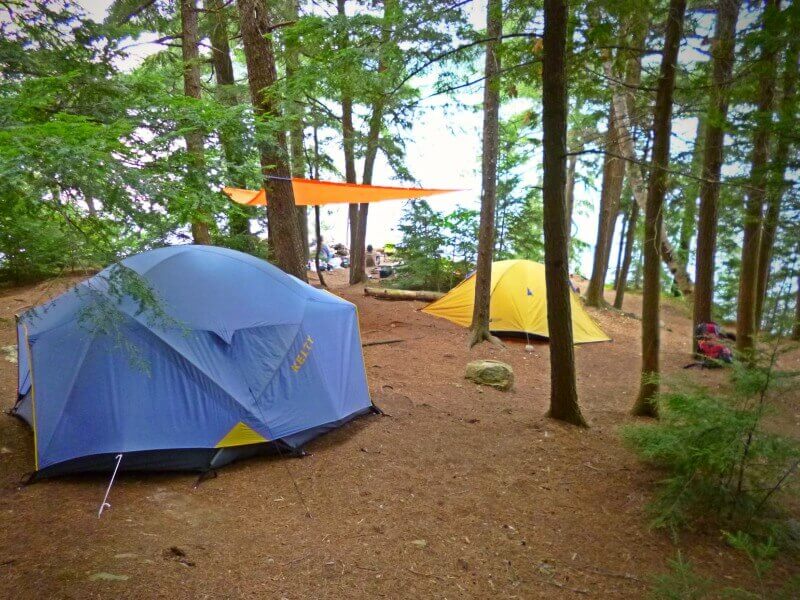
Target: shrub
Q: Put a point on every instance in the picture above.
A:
(720, 458)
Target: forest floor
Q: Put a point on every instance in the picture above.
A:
(461, 492)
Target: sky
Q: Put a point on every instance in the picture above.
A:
(443, 151)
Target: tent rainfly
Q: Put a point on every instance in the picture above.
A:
(518, 303)
(312, 192)
(238, 357)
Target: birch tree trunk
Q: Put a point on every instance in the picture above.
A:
(634, 173)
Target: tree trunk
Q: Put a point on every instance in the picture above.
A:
(563, 392)
(317, 225)
(656, 190)
(716, 116)
(689, 216)
(192, 89)
(779, 186)
(371, 153)
(622, 280)
(796, 328)
(613, 174)
(569, 190)
(621, 246)
(231, 142)
(491, 106)
(392, 294)
(296, 126)
(261, 73)
(634, 172)
(348, 144)
(759, 180)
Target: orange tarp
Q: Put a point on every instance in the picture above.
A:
(311, 192)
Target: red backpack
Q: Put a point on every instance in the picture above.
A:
(711, 347)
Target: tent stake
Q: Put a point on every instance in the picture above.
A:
(105, 503)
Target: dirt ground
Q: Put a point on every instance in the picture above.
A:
(461, 492)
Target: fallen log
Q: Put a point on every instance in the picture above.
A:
(390, 294)
(365, 344)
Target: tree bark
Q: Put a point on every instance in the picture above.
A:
(657, 186)
(622, 280)
(611, 191)
(796, 328)
(759, 180)
(348, 144)
(717, 114)
(569, 190)
(491, 137)
(261, 73)
(192, 89)
(779, 186)
(634, 172)
(621, 246)
(296, 126)
(373, 143)
(238, 216)
(317, 224)
(563, 393)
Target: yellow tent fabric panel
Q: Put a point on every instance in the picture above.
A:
(240, 435)
(518, 304)
(311, 192)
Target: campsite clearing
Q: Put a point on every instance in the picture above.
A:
(462, 491)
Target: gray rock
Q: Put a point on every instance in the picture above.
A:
(10, 353)
(493, 373)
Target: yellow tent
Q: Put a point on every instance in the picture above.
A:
(518, 305)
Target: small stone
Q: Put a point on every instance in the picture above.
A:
(126, 555)
(10, 353)
(493, 373)
(419, 543)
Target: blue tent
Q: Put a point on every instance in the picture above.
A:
(185, 357)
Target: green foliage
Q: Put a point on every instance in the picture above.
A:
(427, 252)
(518, 221)
(104, 295)
(720, 458)
(680, 583)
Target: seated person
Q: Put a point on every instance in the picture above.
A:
(370, 257)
